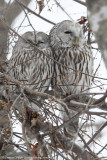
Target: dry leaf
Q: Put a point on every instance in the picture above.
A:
(35, 148)
(82, 20)
(41, 5)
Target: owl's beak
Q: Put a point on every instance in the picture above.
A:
(35, 43)
(76, 41)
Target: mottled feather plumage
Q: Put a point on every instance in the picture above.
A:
(75, 56)
(72, 73)
(33, 67)
(30, 66)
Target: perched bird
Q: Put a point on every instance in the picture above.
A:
(28, 64)
(73, 65)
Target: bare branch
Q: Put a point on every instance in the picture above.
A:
(5, 23)
(80, 2)
(29, 10)
(100, 129)
(96, 113)
(66, 143)
(46, 126)
(81, 106)
(26, 89)
(72, 104)
(101, 99)
(2, 2)
(70, 97)
(13, 8)
(63, 10)
(8, 12)
(102, 149)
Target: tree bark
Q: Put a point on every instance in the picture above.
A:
(97, 16)
(8, 12)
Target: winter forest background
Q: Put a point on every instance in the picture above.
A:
(17, 17)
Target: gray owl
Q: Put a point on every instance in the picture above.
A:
(74, 63)
(30, 66)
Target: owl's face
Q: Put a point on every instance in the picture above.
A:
(42, 40)
(70, 34)
(27, 39)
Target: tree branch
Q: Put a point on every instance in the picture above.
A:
(72, 104)
(29, 10)
(5, 24)
(68, 145)
(80, 2)
(13, 11)
(96, 134)
(8, 12)
(63, 9)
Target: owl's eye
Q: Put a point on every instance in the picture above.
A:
(68, 32)
(40, 42)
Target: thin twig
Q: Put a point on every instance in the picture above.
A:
(14, 108)
(29, 10)
(70, 97)
(80, 105)
(56, 151)
(29, 20)
(74, 104)
(41, 52)
(96, 113)
(102, 149)
(63, 10)
(100, 129)
(101, 99)
(80, 2)
(85, 143)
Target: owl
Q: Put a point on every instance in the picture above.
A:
(73, 65)
(30, 66)
(30, 63)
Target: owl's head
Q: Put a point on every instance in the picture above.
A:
(41, 40)
(68, 33)
(27, 39)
